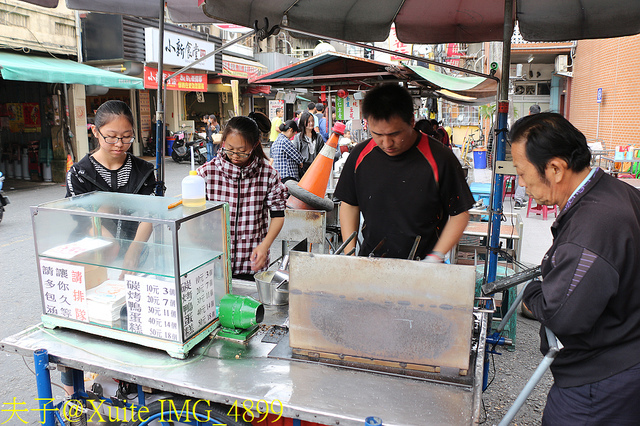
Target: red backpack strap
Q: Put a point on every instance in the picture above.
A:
(367, 149)
(425, 149)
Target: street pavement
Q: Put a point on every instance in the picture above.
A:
(20, 303)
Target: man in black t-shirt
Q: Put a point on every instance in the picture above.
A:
(404, 184)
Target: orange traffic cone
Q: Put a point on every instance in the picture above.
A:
(69, 163)
(308, 194)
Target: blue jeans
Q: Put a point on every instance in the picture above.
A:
(210, 152)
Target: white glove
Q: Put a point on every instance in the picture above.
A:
(434, 257)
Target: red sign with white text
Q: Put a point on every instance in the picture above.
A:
(185, 82)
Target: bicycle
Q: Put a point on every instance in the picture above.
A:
(469, 144)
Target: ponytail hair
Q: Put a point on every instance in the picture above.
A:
(250, 129)
(289, 124)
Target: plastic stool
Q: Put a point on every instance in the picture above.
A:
(541, 209)
(511, 182)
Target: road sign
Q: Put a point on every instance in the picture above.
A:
(599, 98)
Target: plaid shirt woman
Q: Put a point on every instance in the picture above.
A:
(241, 176)
(286, 158)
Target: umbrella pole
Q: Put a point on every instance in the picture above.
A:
(500, 146)
(160, 101)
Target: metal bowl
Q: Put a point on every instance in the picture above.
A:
(267, 291)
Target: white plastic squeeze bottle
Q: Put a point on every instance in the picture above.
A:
(193, 188)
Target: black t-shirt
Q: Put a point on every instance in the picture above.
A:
(400, 198)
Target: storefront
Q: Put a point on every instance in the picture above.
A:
(43, 116)
(129, 44)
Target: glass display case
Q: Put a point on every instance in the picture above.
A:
(128, 267)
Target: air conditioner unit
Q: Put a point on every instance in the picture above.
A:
(562, 63)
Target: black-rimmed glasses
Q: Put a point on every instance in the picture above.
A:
(230, 153)
(112, 140)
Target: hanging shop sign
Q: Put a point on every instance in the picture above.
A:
(233, 28)
(237, 69)
(347, 108)
(398, 46)
(179, 49)
(185, 82)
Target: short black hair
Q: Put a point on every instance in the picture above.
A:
(425, 127)
(549, 135)
(311, 106)
(386, 101)
(319, 107)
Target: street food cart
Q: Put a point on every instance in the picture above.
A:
(361, 337)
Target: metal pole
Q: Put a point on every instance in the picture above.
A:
(501, 143)
(208, 55)
(535, 378)
(43, 384)
(598, 123)
(404, 55)
(160, 142)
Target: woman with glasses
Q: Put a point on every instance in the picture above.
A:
(110, 167)
(308, 142)
(286, 158)
(241, 175)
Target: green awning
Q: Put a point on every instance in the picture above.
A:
(51, 70)
(467, 86)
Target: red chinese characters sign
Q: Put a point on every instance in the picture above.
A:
(241, 70)
(398, 46)
(185, 82)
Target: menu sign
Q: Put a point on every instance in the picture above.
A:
(63, 290)
(151, 307)
(198, 299)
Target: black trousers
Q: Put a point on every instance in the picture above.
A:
(611, 401)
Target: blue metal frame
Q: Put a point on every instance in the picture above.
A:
(496, 206)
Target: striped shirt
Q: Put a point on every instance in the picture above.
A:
(119, 176)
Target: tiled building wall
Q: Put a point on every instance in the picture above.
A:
(613, 65)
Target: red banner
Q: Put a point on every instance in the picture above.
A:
(185, 82)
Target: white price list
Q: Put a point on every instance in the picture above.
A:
(198, 299)
(151, 307)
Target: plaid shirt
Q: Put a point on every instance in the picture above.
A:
(251, 192)
(286, 158)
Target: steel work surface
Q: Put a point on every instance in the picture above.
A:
(393, 310)
(224, 371)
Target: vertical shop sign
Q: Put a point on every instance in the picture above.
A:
(347, 108)
(398, 46)
(63, 290)
(144, 113)
(235, 93)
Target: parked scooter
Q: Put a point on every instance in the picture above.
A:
(3, 200)
(182, 151)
